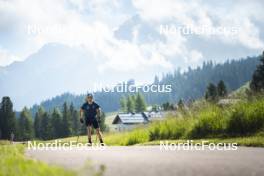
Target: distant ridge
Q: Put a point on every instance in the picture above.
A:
(188, 85)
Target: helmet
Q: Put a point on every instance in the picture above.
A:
(89, 95)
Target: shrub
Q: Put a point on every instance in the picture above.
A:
(172, 128)
(203, 120)
(13, 162)
(154, 131)
(208, 123)
(246, 118)
(137, 136)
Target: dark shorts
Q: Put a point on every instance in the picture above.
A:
(92, 122)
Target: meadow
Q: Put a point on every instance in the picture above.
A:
(13, 162)
(242, 122)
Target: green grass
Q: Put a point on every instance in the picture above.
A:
(242, 121)
(138, 135)
(108, 121)
(237, 123)
(212, 121)
(13, 162)
(252, 141)
(4, 142)
(125, 139)
(246, 118)
(241, 93)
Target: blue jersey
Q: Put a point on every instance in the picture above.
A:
(90, 110)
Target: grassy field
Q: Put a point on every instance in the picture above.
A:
(242, 123)
(141, 138)
(251, 141)
(13, 162)
(109, 119)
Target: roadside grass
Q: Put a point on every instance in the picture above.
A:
(250, 141)
(4, 142)
(108, 121)
(246, 118)
(125, 139)
(241, 123)
(138, 135)
(135, 136)
(13, 162)
(212, 121)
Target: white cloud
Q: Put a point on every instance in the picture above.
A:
(6, 57)
(205, 13)
(249, 35)
(127, 57)
(91, 24)
(195, 56)
(54, 22)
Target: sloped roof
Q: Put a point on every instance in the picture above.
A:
(154, 115)
(130, 118)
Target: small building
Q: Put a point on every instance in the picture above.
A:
(127, 121)
(159, 115)
(226, 101)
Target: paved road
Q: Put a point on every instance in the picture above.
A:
(150, 160)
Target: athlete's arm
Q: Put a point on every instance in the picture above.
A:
(81, 116)
(98, 113)
(81, 113)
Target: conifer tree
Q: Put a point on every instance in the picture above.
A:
(257, 82)
(123, 104)
(221, 89)
(66, 120)
(211, 92)
(45, 127)
(25, 125)
(140, 104)
(75, 122)
(7, 118)
(37, 121)
(180, 104)
(130, 105)
(56, 124)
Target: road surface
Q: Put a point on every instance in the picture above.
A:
(151, 161)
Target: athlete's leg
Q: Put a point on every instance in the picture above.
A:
(99, 134)
(98, 131)
(89, 133)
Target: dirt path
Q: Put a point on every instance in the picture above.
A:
(150, 160)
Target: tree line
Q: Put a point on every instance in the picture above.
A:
(187, 85)
(133, 103)
(63, 121)
(43, 125)
(216, 91)
(257, 82)
(213, 92)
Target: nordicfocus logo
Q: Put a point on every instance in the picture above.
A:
(127, 88)
(172, 29)
(59, 145)
(203, 145)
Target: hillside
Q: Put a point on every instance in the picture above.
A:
(53, 70)
(240, 92)
(190, 84)
(44, 74)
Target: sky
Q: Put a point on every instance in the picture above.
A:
(134, 34)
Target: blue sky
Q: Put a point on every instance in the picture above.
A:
(125, 34)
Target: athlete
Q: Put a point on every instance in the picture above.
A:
(90, 114)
